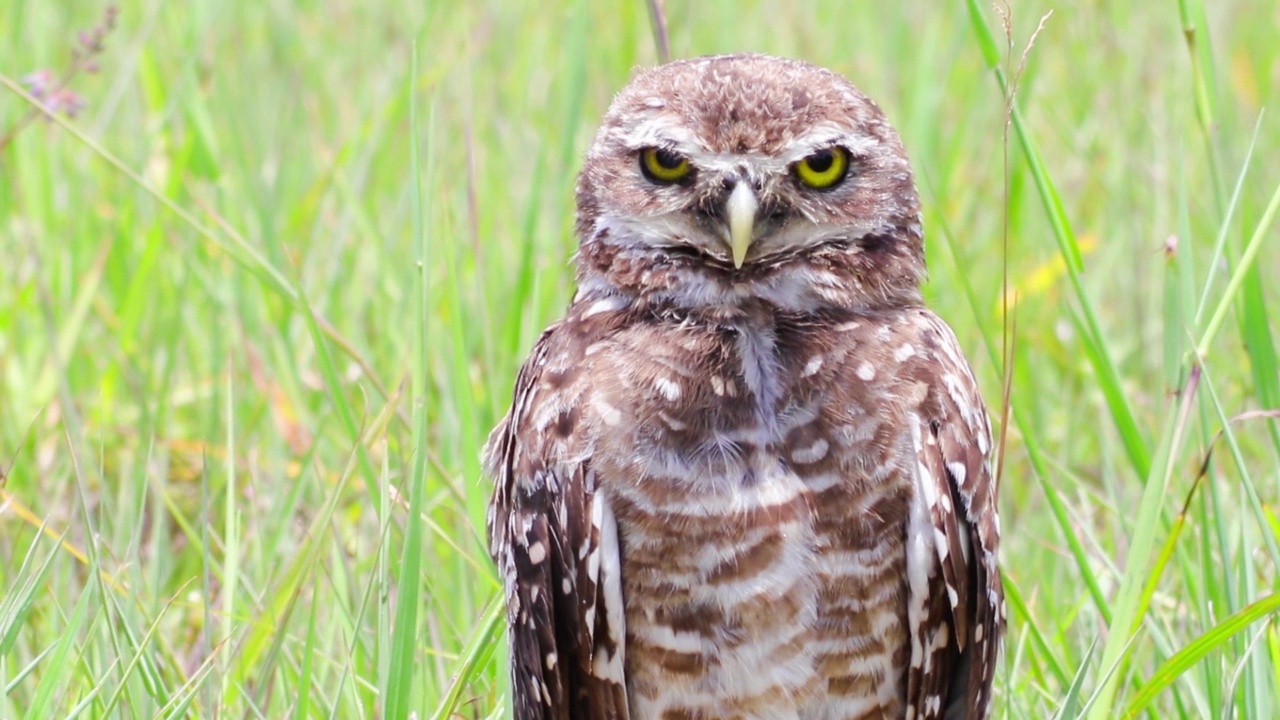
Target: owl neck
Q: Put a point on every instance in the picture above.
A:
(874, 274)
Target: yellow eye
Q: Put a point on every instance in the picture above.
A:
(664, 166)
(823, 169)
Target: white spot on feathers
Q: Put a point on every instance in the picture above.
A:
(609, 414)
(717, 385)
(866, 371)
(608, 304)
(537, 552)
(811, 367)
(668, 388)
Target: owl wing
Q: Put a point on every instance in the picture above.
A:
(956, 600)
(555, 542)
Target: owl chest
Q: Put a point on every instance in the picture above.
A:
(747, 427)
(751, 516)
(745, 500)
(734, 418)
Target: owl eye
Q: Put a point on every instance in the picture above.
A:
(824, 169)
(663, 166)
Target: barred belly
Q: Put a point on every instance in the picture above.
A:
(765, 593)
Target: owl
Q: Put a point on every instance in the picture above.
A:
(747, 475)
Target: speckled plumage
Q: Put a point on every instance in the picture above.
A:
(758, 491)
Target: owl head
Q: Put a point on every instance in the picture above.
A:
(719, 179)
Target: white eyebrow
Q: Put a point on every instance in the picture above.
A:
(661, 132)
(825, 136)
(654, 133)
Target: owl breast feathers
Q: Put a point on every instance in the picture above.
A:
(747, 475)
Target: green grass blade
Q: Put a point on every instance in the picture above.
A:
(18, 600)
(1130, 604)
(1238, 275)
(1197, 649)
(140, 661)
(1224, 228)
(302, 709)
(60, 665)
(482, 645)
(1071, 701)
(1098, 353)
(405, 632)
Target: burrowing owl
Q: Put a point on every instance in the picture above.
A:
(747, 475)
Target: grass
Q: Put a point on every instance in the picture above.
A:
(262, 299)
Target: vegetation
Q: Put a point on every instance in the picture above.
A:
(263, 296)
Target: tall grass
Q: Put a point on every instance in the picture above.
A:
(262, 299)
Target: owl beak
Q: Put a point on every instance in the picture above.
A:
(741, 209)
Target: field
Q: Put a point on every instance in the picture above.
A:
(263, 296)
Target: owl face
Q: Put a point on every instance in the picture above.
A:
(744, 165)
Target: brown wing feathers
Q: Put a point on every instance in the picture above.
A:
(548, 546)
(954, 459)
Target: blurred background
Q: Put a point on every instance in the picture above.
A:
(266, 278)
